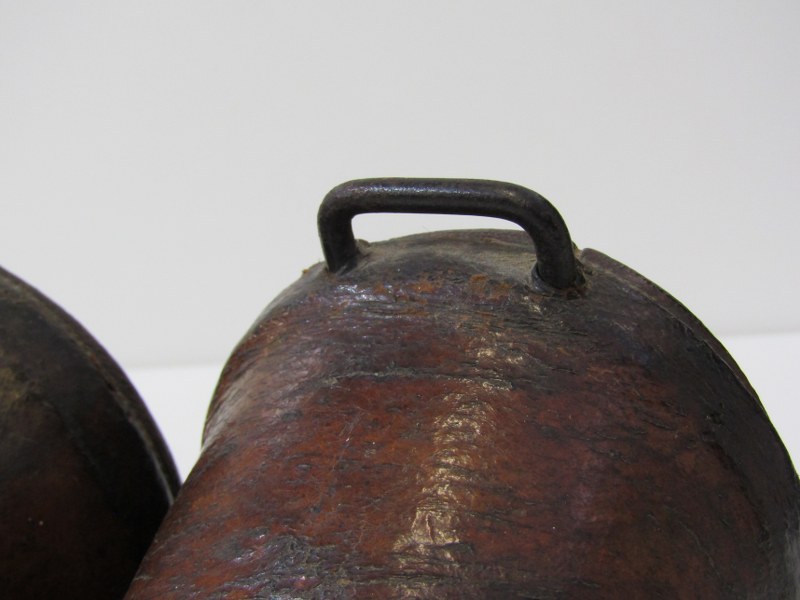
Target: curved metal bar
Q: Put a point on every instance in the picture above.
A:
(556, 263)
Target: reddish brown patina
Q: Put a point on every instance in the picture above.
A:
(85, 477)
(435, 423)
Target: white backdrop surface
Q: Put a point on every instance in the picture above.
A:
(161, 162)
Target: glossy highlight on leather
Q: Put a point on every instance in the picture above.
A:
(432, 422)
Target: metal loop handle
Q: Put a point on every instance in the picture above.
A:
(556, 264)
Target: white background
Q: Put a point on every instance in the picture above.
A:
(161, 162)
